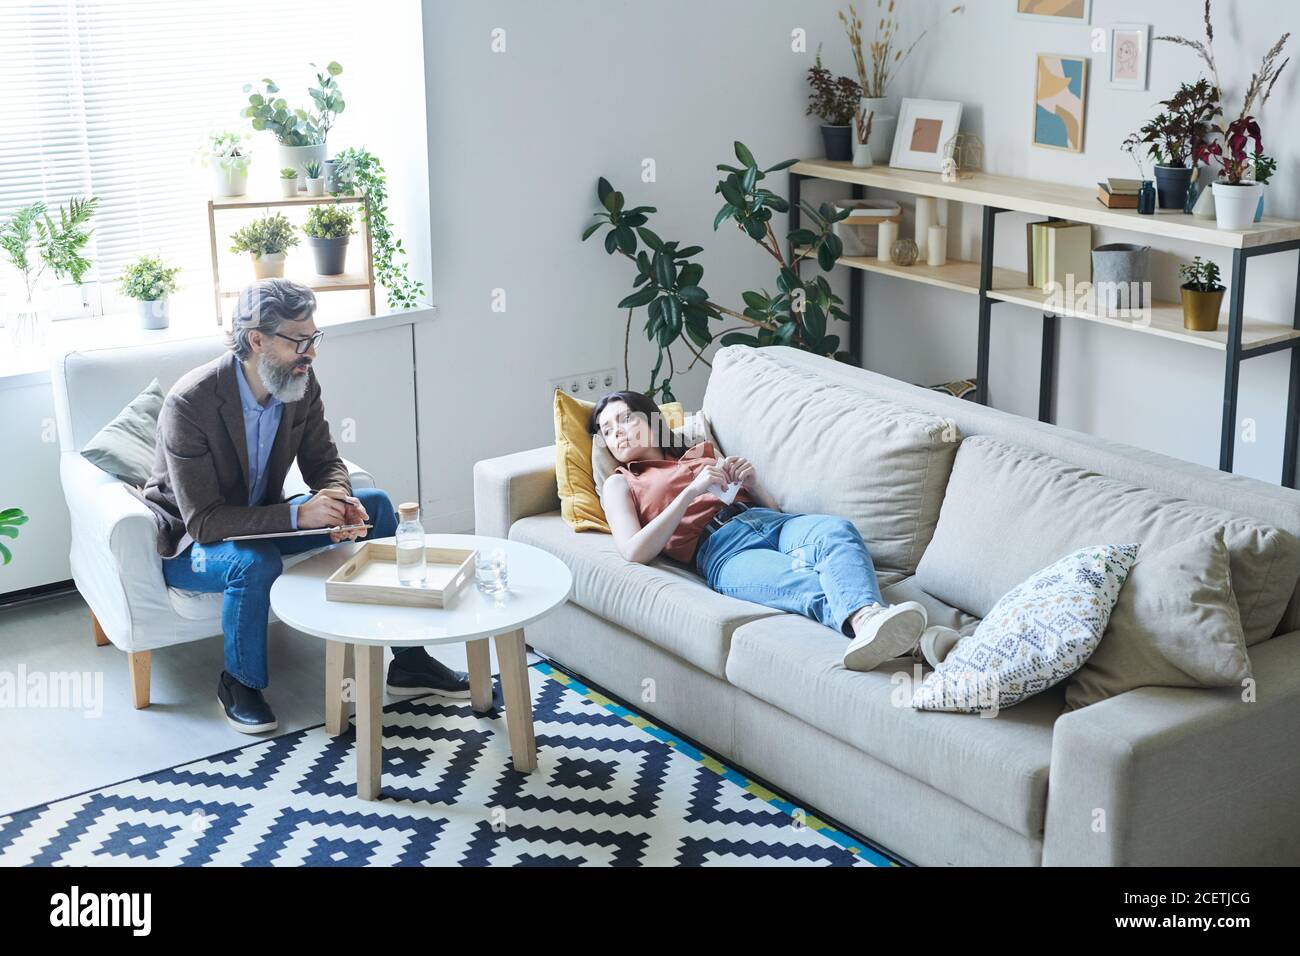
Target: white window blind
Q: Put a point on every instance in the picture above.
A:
(114, 99)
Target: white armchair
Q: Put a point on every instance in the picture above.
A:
(114, 557)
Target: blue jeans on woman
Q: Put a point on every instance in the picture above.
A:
(245, 570)
(814, 565)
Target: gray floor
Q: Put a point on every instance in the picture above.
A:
(49, 752)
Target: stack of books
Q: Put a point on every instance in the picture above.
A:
(1119, 193)
(1057, 251)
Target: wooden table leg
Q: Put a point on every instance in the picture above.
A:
(370, 718)
(338, 668)
(479, 656)
(518, 699)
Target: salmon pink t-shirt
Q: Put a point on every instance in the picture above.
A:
(654, 485)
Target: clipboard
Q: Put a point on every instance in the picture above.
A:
(297, 534)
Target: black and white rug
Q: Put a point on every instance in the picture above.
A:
(611, 789)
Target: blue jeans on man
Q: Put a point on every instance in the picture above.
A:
(244, 572)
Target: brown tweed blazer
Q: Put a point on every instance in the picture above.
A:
(199, 487)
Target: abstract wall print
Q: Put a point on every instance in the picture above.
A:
(924, 126)
(1130, 46)
(1060, 96)
(1070, 11)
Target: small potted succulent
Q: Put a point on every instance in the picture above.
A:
(835, 100)
(229, 155)
(289, 182)
(1202, 295)
(1236, 197)
(150, 281)
(315, 180)
(327, 229)
(267, 240)
(1175, 135)
(1265, 167)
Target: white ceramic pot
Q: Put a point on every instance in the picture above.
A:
(883, 125)
(269, 266)
(1234, 206)
(862, 155)
(154, 313)
(316, 187)
(289, 188)
(296, 156)
(228, 183)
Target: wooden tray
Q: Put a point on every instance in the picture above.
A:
(370, 577)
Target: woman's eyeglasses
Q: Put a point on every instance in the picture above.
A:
(302, 345)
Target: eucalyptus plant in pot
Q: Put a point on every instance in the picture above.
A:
(1236, 197)
(150, 281)
(267, 240)
(328, 229)
(1202, 295)
(835, 100)
(1175, 134)
(229, 156)
(301, 133)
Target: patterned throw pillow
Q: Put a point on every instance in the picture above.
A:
(1038, 634)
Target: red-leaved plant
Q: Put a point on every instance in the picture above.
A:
(1231, 152)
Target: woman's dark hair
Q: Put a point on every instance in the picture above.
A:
(639, 403)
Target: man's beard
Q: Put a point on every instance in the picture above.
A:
(280, 380)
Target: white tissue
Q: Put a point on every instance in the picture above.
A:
(727, 494)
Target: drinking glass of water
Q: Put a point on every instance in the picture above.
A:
(490, 572)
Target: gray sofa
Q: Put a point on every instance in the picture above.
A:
(1157, 775)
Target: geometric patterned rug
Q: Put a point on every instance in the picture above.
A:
(610, 789)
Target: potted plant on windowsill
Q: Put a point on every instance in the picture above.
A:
(315, 181)
(1236, 198)
(1202, 295)
(1265, 167)
(301, 134)
(289, 182)
(835, 100)
(39, 247)
(1175, 134)
(150, 281)
(328, 228)
(229, 156)
(267, 240)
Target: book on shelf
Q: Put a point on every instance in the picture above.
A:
(1123, 187)
(1113, 200)
(1058, 249)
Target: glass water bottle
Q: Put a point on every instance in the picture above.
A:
(411, 565)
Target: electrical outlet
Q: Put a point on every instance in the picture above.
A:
(588, 386)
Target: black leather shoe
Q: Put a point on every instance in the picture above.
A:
(415, 673)
(246, 709)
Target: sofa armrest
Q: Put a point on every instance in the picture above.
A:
(1182, 777)
(295, 485)
(513, 487)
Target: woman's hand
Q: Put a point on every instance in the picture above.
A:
(740, 470)
(706, 476)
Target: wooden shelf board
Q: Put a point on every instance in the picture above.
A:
(1166, 320)
(317, 283)
(957, 275)
(1078, 203)
(249, 202)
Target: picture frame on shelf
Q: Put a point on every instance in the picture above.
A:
(1130, 55)
(1061, 11)
(1060, 102)
(924, 127)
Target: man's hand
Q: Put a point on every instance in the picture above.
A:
(354, 512)
(325, 509)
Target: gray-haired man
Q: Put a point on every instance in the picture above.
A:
(226, 436)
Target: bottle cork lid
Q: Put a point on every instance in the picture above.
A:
(408, 509)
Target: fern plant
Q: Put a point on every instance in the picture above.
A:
(10, 519)
(33, 242)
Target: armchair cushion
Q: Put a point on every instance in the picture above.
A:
(124, 448)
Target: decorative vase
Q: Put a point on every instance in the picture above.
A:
(1259, 210)
(296, 156)
(25, 325)
(1171, 184)
(838, 143)
(289, 188)
(1201, 308)
(883, 124)
(1147, 198)
(331, 170)
(316, 187)
(228, 183)
(1204, 208)
(862, 155)
(904, 252)
(269, 265)
(1234, 206)
(154, 313)
(1120, 273)
(330, 254)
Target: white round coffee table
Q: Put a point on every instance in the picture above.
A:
(538, 583)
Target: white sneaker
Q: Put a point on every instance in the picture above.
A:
(936, 643)
(883, 633)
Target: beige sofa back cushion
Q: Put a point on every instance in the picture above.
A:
(823, 448)
(1010, 511)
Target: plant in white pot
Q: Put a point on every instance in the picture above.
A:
(229, 156)
(301, 133)
(328, 229)
(267, 240)
(289, 182)
(315, 180)
(39, 247)
(1236, 197)
(835, 100)
(150, 281)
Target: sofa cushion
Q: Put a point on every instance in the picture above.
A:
(125, 446)
(1009, 511)
(823, 448)
(996, 765)
(664, 602)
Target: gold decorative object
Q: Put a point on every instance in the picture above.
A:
(904, 252)
(963, 157)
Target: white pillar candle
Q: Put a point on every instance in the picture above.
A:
(886, 236)
(937, 245)
(924, 218)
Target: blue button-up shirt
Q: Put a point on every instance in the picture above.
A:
(261, 422)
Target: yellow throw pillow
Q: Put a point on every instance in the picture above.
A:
(579, 504)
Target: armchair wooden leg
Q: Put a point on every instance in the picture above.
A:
(100, 637)
(138, 661)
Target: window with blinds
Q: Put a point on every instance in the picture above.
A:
(115, 99)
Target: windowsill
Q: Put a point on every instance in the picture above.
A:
(31, 366)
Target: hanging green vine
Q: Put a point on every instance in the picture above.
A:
(360, 170)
